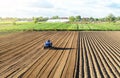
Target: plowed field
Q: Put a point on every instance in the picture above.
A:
(84, 54)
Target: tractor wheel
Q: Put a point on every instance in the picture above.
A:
(44, 47)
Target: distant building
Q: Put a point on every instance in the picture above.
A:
(58, 20)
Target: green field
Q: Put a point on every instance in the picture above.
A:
(4, 27)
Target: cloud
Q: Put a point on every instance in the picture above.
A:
(114, 5)
(41, 4)
(85, 8)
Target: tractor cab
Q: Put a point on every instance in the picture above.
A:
(48, 44)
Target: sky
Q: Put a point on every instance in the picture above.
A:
(62, 8)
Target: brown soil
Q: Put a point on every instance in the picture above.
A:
(85, 54)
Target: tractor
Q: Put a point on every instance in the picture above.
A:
(48, 44)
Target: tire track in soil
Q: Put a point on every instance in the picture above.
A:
(24, 47)
(40, 73)
(10, 43)
(60, 68)
(18, 63)
(81, 66)
(16, 45)
(27, 73)
(65, 68)
(20, 53)
(71, 68)
(60, 61)
(78, 56)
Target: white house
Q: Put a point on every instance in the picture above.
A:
(58, 20)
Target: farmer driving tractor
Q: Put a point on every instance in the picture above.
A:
(48, 44)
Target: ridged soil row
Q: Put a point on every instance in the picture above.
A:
(45, 70)
(85, 57)
(103, 52)
(39, 66)
(9, 37)
(14, 64)
(111, 44)
(10, 43)
(52, 61)
(6, 50)
(15, 40)
(112, 53)
(57, 65)
(97, 57)
(89, 56)
(89, 67)
(15, 52)
(110, 60)
(111, 50)
(81, 66)
(96, 61)
(20, 50)
(114, 35)
(8, 63)
(37, 62)
(110, 41)
(19, 42)
(70, 64)
(60, 68)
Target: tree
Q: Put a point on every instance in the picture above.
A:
(78, 18)
(110, 18)
(55, 17)
(96, 19)
(118, 18)
(35, 20)
(0, 18)
(85, 20)
(102, 19)
(91, 19)
(14, 21)
(71, 18)
(46, 18)
(40, 19)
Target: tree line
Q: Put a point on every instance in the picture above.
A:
(109, 18)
